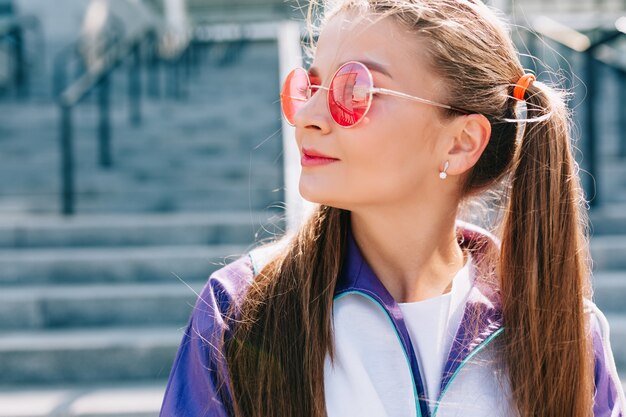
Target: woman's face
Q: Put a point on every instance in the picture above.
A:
(392, 156)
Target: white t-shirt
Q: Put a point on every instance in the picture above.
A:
(432, 325)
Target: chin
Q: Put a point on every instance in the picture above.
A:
(315, 194)
(313, 197)
(326, 201)
(320, 193)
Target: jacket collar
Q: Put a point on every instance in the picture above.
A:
(482, 316)
(357, 275)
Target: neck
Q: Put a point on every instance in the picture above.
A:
(414, 259)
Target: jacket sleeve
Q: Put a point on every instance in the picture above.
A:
(609, 398)
(193, 388)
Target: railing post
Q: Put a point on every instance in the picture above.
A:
(181, 80)
(67, 161)
(622, 113)
(59, 79)
(104, 129)
(195, 57)
(20, 69)
(173, 84)
(590, 130)
(134, 87)
(155, 69)
(188, 60)
(169, 77)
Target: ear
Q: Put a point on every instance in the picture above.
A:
(471, 135)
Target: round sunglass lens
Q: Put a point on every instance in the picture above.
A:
(294, 93)
(349, 96)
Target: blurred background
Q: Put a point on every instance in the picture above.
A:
(141, 148)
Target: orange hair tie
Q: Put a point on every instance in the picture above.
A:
(521, 86)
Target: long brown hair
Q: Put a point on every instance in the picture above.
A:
(276, 351)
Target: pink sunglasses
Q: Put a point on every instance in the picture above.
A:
(349, 94)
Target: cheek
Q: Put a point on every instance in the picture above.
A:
(398, 140)
(390, 160)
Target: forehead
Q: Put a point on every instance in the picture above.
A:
(348, 36)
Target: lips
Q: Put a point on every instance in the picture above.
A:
(313, 158)
(312, 153)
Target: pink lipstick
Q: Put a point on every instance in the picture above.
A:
(311, 157)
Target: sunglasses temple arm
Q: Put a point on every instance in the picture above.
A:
(407, 96)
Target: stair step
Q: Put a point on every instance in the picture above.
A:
(139, 189)
(610, 291)
(98, 354)
(122, 399)
(72, 306)
(608, 252)
(263, 174)
(119, 264)
(149, 201)
(143, 168)
(609, 220)
(131, 176)
(210, 228)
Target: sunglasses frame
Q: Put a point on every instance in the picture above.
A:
(372, 90)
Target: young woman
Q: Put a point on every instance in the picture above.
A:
(385, 303)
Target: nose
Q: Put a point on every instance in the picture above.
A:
(314, 113)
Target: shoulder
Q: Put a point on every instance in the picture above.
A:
(223, 287)
(226, 287)
(262, 255)
(195, 386)
(600, 333)
(598, 325)
(609, 392)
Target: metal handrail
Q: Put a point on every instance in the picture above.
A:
(72, 55)
(580, 42)
(73, 94)
(13, 27)
(98, 78)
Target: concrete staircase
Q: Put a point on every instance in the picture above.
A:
(92, 307)
(216, 148)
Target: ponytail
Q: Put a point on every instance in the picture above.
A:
(543, 269)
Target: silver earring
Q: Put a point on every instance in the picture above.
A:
(443, 175)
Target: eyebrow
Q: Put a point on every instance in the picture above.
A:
(371, 65)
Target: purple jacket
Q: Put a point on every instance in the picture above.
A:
(192, 392)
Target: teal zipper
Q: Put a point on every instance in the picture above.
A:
(465, 361)
(406, 355)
